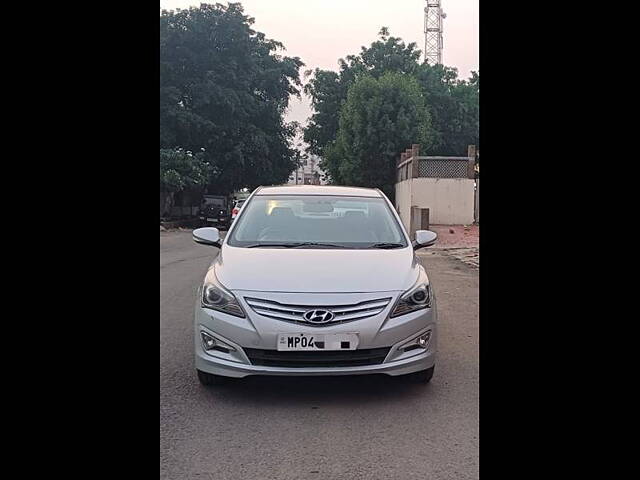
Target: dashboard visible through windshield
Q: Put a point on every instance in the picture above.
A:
(320, 221)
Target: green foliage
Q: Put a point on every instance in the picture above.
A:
(380, 118)
(224, 88)
(180, 169)
(454, 108)
(328, 89)
(450, 103)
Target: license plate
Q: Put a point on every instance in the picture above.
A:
(306, 342)
(212, 220)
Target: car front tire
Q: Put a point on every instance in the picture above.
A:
(422, 377)
(208, 379)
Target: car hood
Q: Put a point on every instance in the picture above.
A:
(316, 270)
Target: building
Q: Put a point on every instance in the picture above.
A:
(309, 173)
(436, 190)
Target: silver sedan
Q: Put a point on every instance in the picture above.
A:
(315, 280)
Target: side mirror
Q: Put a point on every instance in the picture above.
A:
(424, 238)
(207, 236)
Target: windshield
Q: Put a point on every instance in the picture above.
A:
(305, 220)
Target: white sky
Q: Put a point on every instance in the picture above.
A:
(321, 31)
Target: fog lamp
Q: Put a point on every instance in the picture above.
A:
(208, 341)
(423, 340)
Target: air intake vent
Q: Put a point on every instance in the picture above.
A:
(352, 358)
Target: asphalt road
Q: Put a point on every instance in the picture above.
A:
(317, 428)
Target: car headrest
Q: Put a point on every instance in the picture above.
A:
(282, 212)
(354, 215)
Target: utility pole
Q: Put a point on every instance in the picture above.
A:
(299, 162)
(433, 39)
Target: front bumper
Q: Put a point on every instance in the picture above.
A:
(214, 221)
(259, 332)
(226, 368)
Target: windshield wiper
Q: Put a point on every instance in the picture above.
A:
(296, 245)
(256, 245)
(386, 245)
(317, 244)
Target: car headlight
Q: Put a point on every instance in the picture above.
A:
(416, 298)
(216, 297)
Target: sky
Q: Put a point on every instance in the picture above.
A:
(322, 31)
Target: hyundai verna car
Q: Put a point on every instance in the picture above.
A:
(315, 280)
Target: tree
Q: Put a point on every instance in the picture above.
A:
(380, 118)
(328, 89)
(180, 170)
(452, 103)
(454, 108)
(224, 88)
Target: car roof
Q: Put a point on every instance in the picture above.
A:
(319, 190)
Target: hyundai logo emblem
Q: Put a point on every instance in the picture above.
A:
(318, 316)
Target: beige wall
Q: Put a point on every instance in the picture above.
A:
(450, 200)
(403, 202)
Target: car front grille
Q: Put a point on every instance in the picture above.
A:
(337, 358)
(295, 313)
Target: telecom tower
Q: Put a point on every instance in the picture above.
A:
(433, 16)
